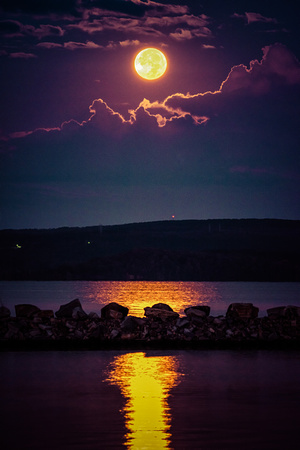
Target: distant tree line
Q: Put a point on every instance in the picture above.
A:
(223, 250)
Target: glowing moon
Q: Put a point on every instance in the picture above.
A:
(150, 63)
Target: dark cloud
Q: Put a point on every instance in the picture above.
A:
(117, 24)
(256, 17)
(137, 9)
(44, 30)
(278, 66)
(10, 27)
(22, 55)
(252, 17)
(114, 24)
(81, 45)
(125, 43)
(39, 7)
(181, 34)
(13, 28)
(49, 45)
(160, 20)
(188, 20)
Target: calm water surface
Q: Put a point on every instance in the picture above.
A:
(136, 295)
(179, 400)
(155, 400)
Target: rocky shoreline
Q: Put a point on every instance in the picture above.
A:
(71, 328)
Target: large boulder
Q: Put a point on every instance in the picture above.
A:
(114, 311)
(196, 314)
(4, 312)
(289, 312)
(96, 331)
(242, 311)
(71, 310)
(162, 306)
(160, 312)
(45, 314)
(131, 324)
(198, 311)
(26, 310)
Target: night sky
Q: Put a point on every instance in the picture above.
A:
(85, 141)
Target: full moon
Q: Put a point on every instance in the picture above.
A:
(150, 63)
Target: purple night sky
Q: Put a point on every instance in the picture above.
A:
(85, 140)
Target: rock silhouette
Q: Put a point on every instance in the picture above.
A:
(160, 326)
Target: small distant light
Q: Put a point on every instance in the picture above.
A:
(88, 242)
(18, 246)
(173, 217)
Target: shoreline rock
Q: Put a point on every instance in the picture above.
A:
(161, 327)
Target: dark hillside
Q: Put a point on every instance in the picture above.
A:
(198, 250)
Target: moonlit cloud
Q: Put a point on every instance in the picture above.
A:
(87, 26)
(129, 42)
(122, 25)
(49, 45)
(22, 55)
(278, 66)
(90, 45)
(256, 17)
(164, 113)
(251, 17)
(23, 134)
(155, 22)
(126, 43)
(181, 34)
(169, 8)
(145, 19)
(45, 30)
(184, 34)
(13, 28)
(208, 46)
(187, 20)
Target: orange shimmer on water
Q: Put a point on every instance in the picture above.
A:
(137, 295)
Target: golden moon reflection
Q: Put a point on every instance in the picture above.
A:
(150, 63)
(145, 382)
(136, 295)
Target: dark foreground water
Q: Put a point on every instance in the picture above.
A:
(155, 400)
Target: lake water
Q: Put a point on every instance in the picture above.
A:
(136, 295)
(207, 400)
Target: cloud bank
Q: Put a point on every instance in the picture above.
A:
(277, 68)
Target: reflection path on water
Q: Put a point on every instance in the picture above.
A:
(226, 400)
(136, 295)
(145, 382)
